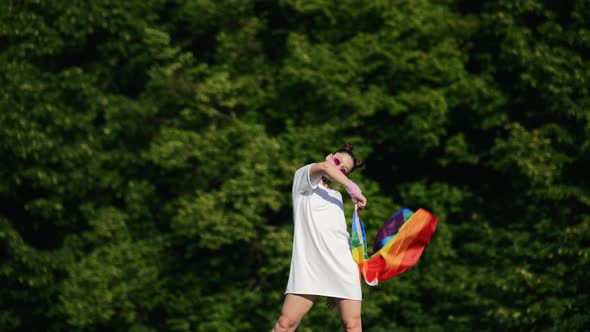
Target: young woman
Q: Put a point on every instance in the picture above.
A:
(322, 264)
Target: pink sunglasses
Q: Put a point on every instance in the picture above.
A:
(337, 163)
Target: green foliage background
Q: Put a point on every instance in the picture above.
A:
(148, 147)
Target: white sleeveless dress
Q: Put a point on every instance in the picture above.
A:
(321, 263)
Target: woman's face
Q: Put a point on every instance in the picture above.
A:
(341, 160)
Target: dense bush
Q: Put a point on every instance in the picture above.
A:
(148, 147)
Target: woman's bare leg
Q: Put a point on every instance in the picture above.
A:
(350, 314)
(294, 308)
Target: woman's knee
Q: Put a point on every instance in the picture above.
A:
(285, 324)
(352, 323)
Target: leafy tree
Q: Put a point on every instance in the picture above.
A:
(148, 150)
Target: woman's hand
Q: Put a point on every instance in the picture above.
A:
(357, 197)
(360, 201)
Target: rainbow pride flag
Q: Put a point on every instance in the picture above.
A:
(398, 244)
